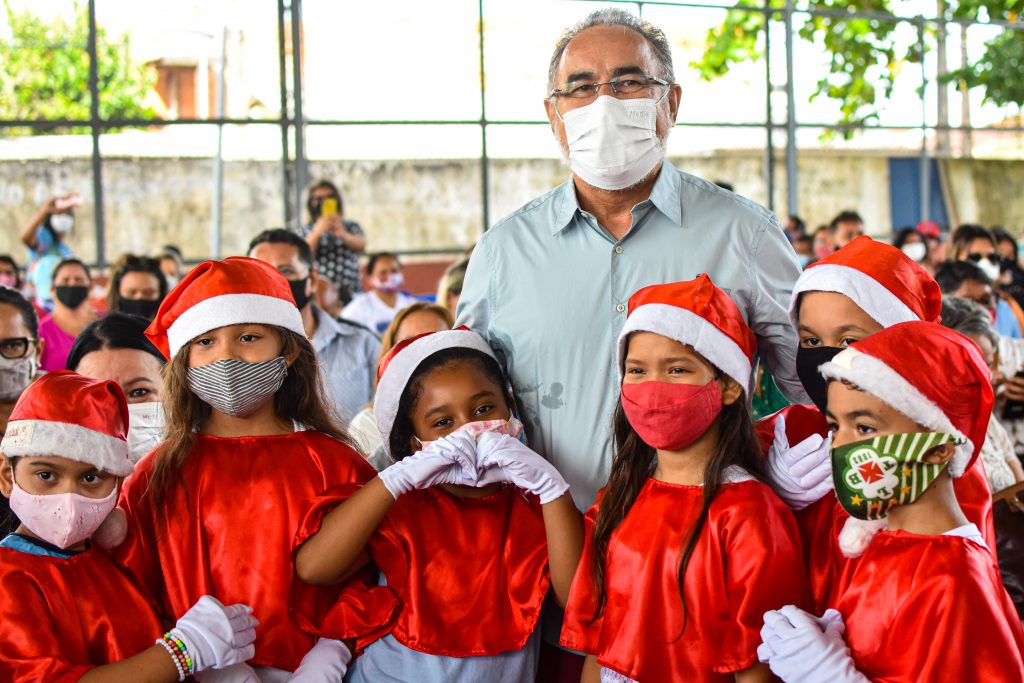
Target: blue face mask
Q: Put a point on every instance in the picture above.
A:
(804, 260)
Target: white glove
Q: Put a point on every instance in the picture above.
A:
(236, 673)
(802, 473)
(799, 648)
(217, 636)
(502, 458)
(450, 460)
(327, 661)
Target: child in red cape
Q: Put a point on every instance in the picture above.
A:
(686, 545)
(68, 613)
(853, 293)
(214, 508)
(468, 526)
(908, 409)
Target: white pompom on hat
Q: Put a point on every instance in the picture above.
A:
(67, 415)
(700, 315)
(397, 367)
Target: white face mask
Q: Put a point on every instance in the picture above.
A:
(613, 143)
(916, 251)
(15, 375)
(145, 428)
(62, 223)
(989, 268)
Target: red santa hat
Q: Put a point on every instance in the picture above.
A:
(935, 376)
(886, 283)
(65, 414)
(700, 315)
(234, 291)
(398, 366)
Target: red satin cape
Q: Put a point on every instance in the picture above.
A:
(930, 608)
(62, 617)
(821, 522)
(746, 562)
(470, 574)
(228, 531)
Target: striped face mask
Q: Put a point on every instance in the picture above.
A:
(875, 475)
(235, 387)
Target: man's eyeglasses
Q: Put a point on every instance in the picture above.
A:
(632, 84)
(15, 347)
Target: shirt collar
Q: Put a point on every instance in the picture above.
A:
(664, 197)
(327, 328)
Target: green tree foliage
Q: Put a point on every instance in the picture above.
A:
(44, 72)
(866, 55)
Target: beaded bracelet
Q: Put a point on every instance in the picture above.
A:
(174, 657)
(181, 652)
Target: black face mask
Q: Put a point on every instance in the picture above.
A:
(71, 295)
(299, 292)
(807, 363)
(144, 308)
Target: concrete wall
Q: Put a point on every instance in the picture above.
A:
(431, 204)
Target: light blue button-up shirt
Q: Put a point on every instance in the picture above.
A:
(347, 354)
(548, 288)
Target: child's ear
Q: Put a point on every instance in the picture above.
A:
(730, 389)
(6, 477)
(940, 454)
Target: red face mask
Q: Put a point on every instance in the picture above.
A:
(670, 416)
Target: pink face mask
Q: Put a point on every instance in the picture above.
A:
(391, 283)
(669, 416)
(61, 519)
(512, 426)
(8, 280)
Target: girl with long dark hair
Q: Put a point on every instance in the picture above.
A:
(214, 508)
(687, 545)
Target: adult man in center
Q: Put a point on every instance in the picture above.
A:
(548, 285)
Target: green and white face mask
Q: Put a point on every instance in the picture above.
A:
(875, 475)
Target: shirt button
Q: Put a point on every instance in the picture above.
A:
(618, 249)
(620, 308)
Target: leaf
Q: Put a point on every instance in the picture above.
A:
(44, 72)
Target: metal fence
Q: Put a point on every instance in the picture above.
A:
(293, 123)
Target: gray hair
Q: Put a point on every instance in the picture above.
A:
(617, 17)
(967, 317)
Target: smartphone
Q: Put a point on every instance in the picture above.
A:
(68, 202)
(1014, 410)
(329, 207)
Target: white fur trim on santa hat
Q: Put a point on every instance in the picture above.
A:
(394, 380)
(686, 327)
(74, 442)
(883, 306)
(233, 309)
(878, 379)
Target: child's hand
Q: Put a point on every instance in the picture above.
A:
(502, 458)
(800, 648)
(217, 636)
(327, 661)
(450, 460)
(802, 472)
